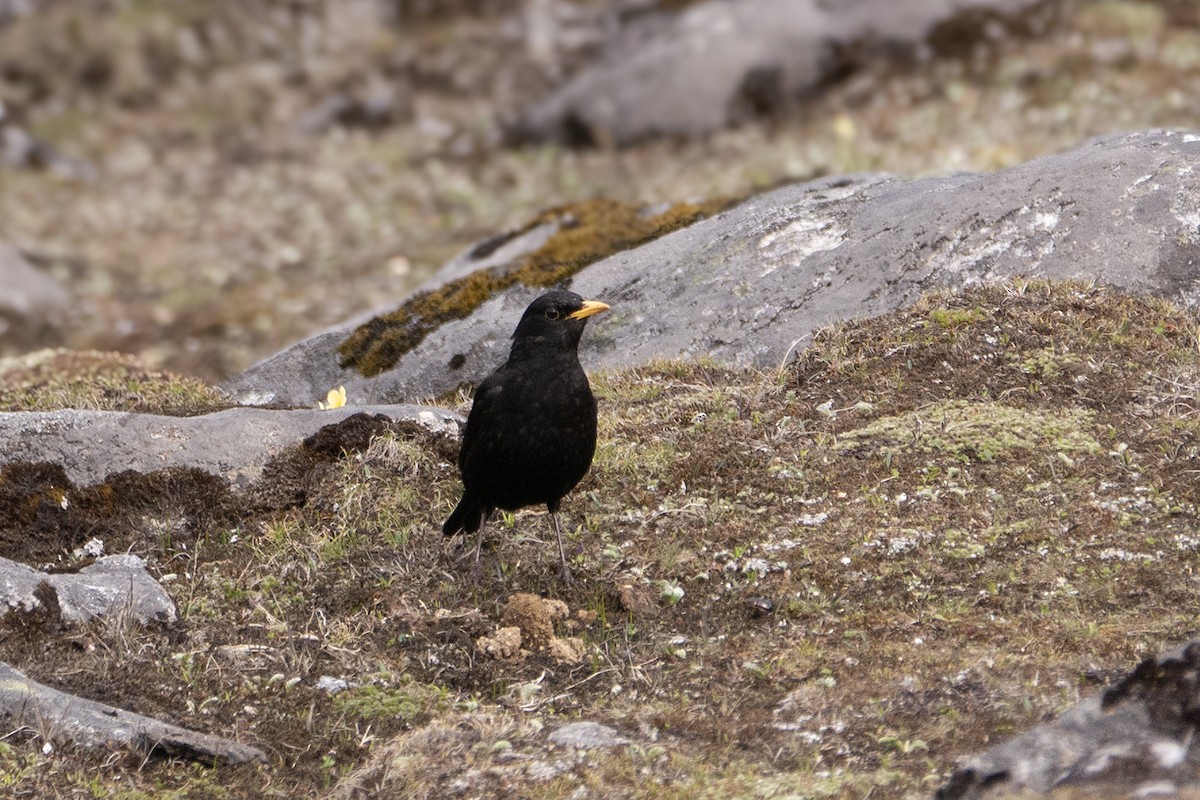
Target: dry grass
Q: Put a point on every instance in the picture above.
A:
(47, 380)
(777, 594)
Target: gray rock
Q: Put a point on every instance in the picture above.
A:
(307, 370)
(331, 685)
(497, 253)
(31, 304)
(18, 148)
(721, 60)
(1136, 736)
(331, 110)
(113, 585)
(374, 102)
(233, 444)
(750, 285)
(61, 717)
(22, 150)
(13, 9)
(586, 735)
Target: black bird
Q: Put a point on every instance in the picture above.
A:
(531, 433)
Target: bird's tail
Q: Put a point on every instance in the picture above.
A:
(467, 516)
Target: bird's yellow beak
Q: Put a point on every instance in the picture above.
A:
(589, 307)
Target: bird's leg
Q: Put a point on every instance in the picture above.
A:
(478, 547)
(564, 571)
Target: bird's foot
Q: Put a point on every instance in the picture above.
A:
(564, 572)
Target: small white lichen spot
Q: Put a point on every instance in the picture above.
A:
(810, 233)
(1189, 220)
(1045, 221)
(330, 684)
(1170, 754)
(256, 398)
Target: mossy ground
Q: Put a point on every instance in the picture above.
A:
(47, 380)
(935, 529)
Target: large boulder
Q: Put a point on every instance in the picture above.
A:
(720, 61)
(234, 444)
(749, 285)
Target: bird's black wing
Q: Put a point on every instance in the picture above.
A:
(486, 396)
(473, 508)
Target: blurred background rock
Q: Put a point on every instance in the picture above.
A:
(201, 183)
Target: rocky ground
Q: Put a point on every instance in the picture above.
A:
(938, 528)
(935, 529)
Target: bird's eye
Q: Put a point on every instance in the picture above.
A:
(551, 313)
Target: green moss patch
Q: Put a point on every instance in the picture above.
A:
(589, 231)
(403, 700)
(979, 431)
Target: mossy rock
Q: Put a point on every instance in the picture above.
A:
(587, 232)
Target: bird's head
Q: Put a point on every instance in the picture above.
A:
(557, 316)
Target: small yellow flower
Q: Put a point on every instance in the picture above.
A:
(335, 399)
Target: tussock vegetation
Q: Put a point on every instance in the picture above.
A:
(936, 528)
